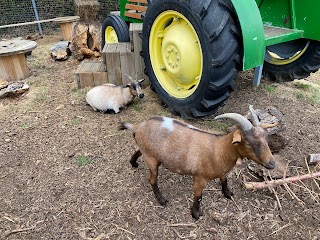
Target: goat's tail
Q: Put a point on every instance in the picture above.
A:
(125, 125)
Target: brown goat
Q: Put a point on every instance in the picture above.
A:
(187, 150)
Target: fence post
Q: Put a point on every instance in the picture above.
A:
(37, 16)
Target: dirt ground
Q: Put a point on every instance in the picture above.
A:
(65, 172)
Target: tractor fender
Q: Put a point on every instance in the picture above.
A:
(252, 32)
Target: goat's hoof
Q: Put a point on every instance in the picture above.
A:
(163, 201)
(196, 214)
(228, 194)
(134, 164)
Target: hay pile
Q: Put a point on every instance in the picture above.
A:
(87, 9)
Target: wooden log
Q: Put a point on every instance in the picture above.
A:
(313, 158)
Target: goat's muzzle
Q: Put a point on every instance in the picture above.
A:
(270, 165)
(141, 95)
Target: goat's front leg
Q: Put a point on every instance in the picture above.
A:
(154, 184)
(226, 191)
(134, 158)
(199, 184)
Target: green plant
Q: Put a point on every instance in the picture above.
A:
(302, 85)
(83, 160)
(25, 125)
(270, 89)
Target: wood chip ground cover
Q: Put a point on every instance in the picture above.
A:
(65, 172)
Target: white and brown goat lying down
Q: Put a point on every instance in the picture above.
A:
(187, 150)
(111, 97)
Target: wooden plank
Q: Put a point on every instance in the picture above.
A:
(66, 30)
(133, 15)
(3, 72)
(9, 68)
(58, 19)
(113, 63)
(20, 66)
(139, 1)
(136, 7)
(84, 75)
(135, 29)
(127, 64)
(100, 76)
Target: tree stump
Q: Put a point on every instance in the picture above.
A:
(87, 9)
(86, 40)
(86, 34)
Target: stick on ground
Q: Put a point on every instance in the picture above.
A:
(272, 183)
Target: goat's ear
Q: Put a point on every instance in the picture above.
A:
(269, 125)
(236, 137)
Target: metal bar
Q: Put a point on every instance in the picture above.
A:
(293, 14)
(257, 75)
(37, 16)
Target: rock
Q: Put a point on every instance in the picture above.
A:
(277, 138)
(61, 50)
(279, 171)
(14, 88)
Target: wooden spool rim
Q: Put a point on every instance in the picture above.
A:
(15, 46)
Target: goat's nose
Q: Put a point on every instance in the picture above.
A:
(141, 95)
(271, 164)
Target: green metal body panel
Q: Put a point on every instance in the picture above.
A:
(307, 18)
(287, 19)
(252, 33)
(276, 13)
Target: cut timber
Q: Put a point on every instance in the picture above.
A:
(13, 63)
(135, 29)
(91, 74)
(120, 61)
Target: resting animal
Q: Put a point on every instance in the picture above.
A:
(109, 96)
(187, 150)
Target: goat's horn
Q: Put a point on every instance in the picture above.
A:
(244, 123)
(254, 116)
(130, 78)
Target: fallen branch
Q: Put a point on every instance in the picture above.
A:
(272, 183)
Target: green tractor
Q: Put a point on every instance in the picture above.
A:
(194, 49)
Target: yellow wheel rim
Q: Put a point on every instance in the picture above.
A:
(111, 35)
(277, 60)
(175, 54)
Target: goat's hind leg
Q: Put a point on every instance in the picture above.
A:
(134, 158)
(154, 184)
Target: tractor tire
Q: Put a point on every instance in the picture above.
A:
(191, 53)
(292, 60)
(114, 29)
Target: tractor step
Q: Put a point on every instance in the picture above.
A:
(275, 35)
